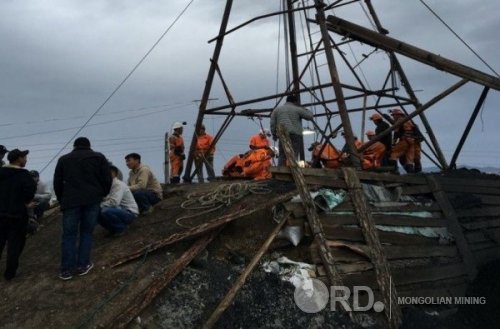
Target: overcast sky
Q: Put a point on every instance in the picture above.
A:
(61, 59)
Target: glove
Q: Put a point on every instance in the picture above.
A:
(238, 169)
(183, 156)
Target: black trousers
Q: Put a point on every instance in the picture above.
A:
(12, 234)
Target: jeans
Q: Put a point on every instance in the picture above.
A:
(12, 233)
(297, 145)
(115, 220)
(145, 199)
(209, 165)
(83, 219)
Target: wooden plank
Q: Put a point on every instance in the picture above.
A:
(471, 189)
(479, 212)
(489, 199)
(337, 174)
(371, 236)
(160, 282)
(408, 275)
(207, 226)
(313, 180)
(417, 189)
(390, 220)
(333, 232)
(453, 226)
(483, 235)
(391, 252)
(470, 181)
(483, 224)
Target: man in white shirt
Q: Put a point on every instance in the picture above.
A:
(118, 209)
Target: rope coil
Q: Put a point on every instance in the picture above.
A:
(222, 195)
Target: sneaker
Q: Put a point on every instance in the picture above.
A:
(66, 275)
(84, 270)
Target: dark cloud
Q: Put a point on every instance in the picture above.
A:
(61, 59)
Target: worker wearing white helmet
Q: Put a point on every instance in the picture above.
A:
(176, 155)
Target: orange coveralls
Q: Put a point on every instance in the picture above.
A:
(176, 155)
(257, 164)
(372, 156)
(406, 144)
(258, 142)
(330, 157)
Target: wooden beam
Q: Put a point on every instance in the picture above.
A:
(453, 225)
(160, 282)
(203, 228)
(375, 39)
(231, 294)
(377, 255)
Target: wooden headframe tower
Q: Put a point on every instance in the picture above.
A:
(330, 39)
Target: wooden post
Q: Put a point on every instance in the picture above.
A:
(453, 225)
(161, 282)
(312, 215)
(231, 294)
(377, 255)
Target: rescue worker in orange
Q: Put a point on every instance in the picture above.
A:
(176, 154)
(253, 164)
(204, 154)
(373, 155)
(405, 145)
(324, 154)
(260, 140)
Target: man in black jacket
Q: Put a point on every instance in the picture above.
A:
(81, 180)
(386, 140)
(17, 190)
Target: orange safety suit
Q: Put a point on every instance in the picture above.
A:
(234, 167)
(257, 163)
(372, 156)
(176, 155)
(406, 143)
(203, 143)
(330, 157)
(258, 142)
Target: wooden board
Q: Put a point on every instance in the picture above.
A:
(483, 224)
(391, 252)
(471, 189)
(470, 181)
(483, 235)
(390, 220)
(485, 256)
(416, 189)
(479, 212)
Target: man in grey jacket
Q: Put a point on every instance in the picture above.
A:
(290, 116)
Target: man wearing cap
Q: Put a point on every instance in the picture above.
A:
(290, 116)
(381, 126)
(3, 151)
(204, 154)
(176, 155)
(17, 190)
(260, 141)
(82, 178)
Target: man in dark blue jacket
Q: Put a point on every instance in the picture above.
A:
(81, 180)
(17, 190)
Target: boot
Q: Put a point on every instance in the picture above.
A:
(410, 168)
(418, 167)
(175, 180)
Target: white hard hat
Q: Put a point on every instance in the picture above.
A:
(177, 125)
